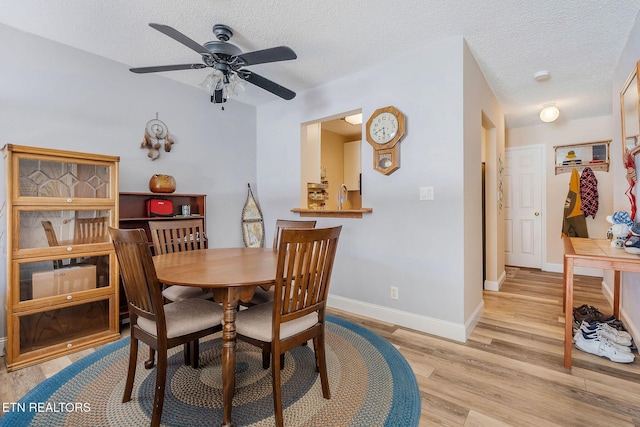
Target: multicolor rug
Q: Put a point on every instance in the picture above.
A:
(371, 385)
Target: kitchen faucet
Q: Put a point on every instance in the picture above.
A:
(343, 196)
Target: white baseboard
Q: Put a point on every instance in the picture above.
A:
(429, 325)
(3, 347)
(583, 271)
(474, 318)
(490, 285)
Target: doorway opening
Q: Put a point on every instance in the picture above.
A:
(492, 209)
(331, 163)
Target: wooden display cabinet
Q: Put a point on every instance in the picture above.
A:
(62, 274)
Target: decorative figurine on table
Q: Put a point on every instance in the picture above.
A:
(632, 244)
(620, 228)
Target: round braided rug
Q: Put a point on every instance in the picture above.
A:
(370, 381)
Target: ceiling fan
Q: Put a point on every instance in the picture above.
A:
(227, 61)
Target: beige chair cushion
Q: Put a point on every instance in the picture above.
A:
(255, 322)
(178, 293)
(262, 296)
(185, 317)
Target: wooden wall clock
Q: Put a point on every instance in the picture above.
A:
(385, 130)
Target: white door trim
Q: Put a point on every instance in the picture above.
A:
(543, 198)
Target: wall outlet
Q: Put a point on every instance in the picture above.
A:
(426, 193)
(394, 292)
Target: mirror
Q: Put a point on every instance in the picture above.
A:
(629, 114)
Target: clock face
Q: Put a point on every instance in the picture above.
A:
(384, 161)
(383, 128)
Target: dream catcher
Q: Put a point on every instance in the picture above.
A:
(156, 135)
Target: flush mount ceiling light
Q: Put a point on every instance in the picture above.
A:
(541, 75)
(354, 119)
(549, 113)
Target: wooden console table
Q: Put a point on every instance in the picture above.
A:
(593, 253)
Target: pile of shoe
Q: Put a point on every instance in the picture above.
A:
(602, 335)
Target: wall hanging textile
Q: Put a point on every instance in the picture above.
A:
(589, 192)
(574, 223)
(630, 164)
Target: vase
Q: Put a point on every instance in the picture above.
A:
(162, 184)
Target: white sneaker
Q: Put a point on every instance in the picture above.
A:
(602, 329)
(602, 347)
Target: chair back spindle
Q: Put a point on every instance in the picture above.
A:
(91, 230)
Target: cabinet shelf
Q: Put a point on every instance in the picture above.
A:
(159, 218)
(317, 195)
(594, 155)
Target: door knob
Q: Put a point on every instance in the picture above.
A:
(536, 213)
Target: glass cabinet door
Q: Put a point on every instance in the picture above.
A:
(56, 228)
(61, 276)
(61, 327)
(51, 178)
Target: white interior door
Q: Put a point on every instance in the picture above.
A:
(523, 206)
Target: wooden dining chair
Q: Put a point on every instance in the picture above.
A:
(297, 313)
(261, 296)
(52, 240)
(90, 230)
(161, 326)
(177, 236)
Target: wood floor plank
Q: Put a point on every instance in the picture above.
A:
(477, 419)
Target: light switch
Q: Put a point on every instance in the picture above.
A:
(426, 193)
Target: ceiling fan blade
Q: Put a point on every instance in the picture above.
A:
(178, 36)
(274, 54)
(266, 84)
(159, 68)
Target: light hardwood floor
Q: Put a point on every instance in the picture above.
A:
(509, 373)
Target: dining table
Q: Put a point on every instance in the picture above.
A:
(233, 275)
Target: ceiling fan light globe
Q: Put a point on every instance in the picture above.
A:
(207, 83)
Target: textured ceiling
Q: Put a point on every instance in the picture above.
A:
(578, 41)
